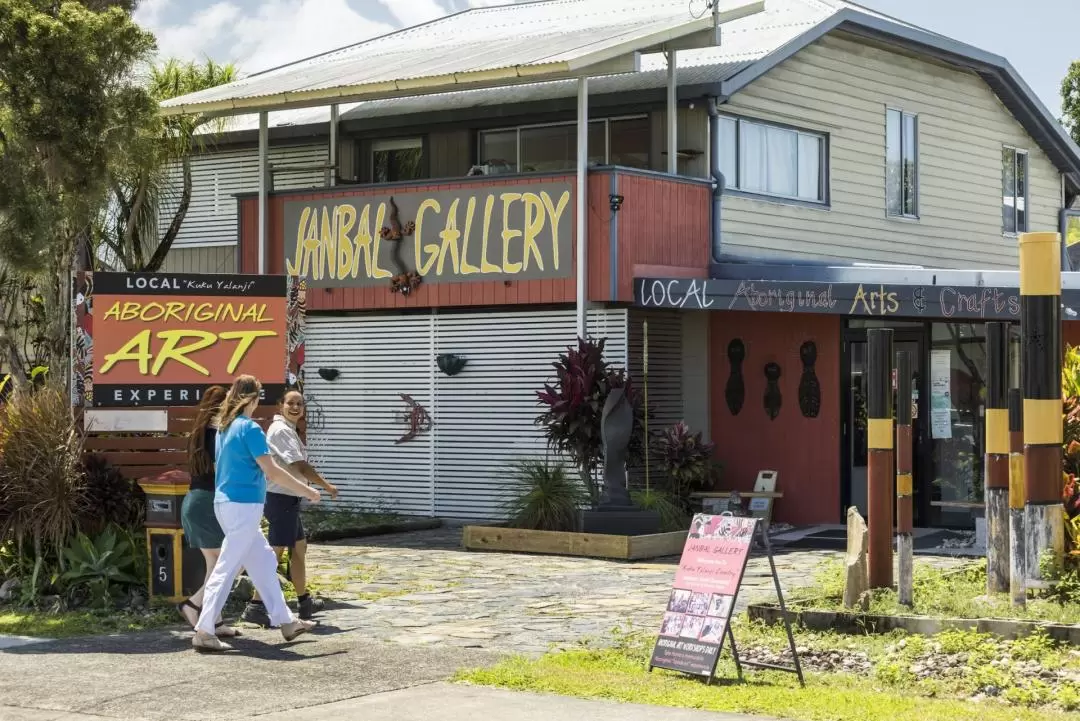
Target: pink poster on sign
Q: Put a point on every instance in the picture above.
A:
(699, 609)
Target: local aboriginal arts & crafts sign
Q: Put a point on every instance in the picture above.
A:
(481, 232)
(701, 602)
(160, 339)
(851, 299)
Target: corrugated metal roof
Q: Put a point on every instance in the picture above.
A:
(743, 41)
(494, 45)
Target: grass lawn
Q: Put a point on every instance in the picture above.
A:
(887, 690)
(68, 624)
(960, 593)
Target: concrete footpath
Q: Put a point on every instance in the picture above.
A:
(443, 701)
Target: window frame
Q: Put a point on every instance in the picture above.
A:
(564, 123)
(916, 188)
(404, 142)
(1027, 192)
(824, 166)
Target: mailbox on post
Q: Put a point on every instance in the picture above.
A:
(175, 570)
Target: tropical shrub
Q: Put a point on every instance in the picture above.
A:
(42, 488)
(111, 498)
(573, 405)
(673, 516)
(544, 497)
(686, 462)
(100, 566)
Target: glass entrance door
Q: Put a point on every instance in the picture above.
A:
(854, 490)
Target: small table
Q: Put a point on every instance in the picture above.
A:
(762, 511)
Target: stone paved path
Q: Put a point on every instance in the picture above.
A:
(423, 588)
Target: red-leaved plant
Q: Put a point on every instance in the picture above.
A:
(573, 404)
(686, 460)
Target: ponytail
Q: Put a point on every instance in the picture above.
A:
(244, 390)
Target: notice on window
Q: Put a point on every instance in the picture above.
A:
(941, 394)
(699, 609)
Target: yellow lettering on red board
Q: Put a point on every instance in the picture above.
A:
(508, 234)
(432, 249)
(344, 220)
(534, 224)
(468, 268)
(554, 213)
(485, 266)
(450, 235)
(246, 338)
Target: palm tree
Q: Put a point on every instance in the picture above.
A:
(144, 186)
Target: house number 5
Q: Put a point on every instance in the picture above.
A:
(162, 574)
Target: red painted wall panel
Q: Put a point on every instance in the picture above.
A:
(662, 222)
(804, 451)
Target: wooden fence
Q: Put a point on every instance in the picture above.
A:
(148, 455)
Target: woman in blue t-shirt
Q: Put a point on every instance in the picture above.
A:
(242, 465)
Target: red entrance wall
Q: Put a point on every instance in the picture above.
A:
(804, 451)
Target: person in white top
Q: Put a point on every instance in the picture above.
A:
(282, 507)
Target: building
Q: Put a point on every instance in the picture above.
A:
(834, 169)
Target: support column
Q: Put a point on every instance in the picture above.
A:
(1040, 366)
(997, 458)
(333, 145)
(1017, 544)
(880, 467)
(264, 142)
(905, 546)
(582, 209)
(672, 115)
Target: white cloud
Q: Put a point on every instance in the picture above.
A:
(414, 12)
(278, 31)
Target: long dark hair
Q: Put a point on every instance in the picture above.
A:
(201, 458)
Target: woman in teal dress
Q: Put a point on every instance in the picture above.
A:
(201, 527)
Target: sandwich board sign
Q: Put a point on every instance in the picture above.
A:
(698, 614)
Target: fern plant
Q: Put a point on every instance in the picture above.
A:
(99, 565)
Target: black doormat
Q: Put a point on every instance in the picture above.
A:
(836, 539)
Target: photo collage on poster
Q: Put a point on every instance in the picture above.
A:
(697, 616)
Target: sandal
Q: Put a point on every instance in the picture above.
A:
(187, 603)
(225, 631)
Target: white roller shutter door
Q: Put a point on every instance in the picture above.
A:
(483, 418)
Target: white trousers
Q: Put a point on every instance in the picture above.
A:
(244, 547)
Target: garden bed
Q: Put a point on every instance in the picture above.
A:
(372, 529)
(589, 545)
(334, 524)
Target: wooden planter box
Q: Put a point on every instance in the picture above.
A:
(591, 545)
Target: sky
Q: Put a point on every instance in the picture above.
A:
(1037, 36)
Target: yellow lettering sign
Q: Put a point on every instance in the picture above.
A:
(874, 302)
(341, 241)
(178, 346)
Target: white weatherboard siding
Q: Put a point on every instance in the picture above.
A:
(217, 176)
(841, 86)
(482, 417)
(208, 259)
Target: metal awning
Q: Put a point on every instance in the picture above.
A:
(478, 48)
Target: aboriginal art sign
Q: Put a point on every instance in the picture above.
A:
(160, 339)
(480, 232)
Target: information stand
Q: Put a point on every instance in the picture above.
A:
(698, 615)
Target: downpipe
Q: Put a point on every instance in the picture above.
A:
(718, 180)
